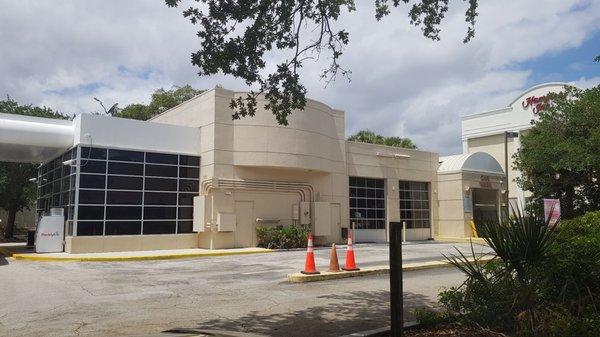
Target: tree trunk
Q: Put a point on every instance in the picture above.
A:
(10, 224)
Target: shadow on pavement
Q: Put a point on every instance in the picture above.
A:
(3, 260)
(343, 314)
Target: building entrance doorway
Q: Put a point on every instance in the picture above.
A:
(485, 205)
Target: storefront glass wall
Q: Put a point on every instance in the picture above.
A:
(367, 203)
(414, 204)
(123, 192)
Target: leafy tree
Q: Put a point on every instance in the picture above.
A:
(16, 191)
(560, 156)
(368, 136)
(161, 100)
(237, 35)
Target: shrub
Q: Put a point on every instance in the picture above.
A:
(282, 237)
(547, 282)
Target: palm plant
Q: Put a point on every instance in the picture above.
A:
(520, 243)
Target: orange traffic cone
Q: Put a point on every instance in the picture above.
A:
(309, 265)
(350, 262)
(334, 265)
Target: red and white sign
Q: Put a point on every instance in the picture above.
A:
(552, 211)
(537, 102)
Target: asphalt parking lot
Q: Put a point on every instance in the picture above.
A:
(241, 293)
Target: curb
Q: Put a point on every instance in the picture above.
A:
(449, 239)
(385, 331)
(380, 270)
(41, 258)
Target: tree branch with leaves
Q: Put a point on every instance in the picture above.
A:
(237, 36)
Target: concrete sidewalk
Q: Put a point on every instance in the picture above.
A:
(21, 252)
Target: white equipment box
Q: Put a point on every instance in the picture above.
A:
(50, 233)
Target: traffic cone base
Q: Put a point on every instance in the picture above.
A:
(350, 269)
(310, 272)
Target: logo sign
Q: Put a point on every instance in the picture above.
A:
(536, 102)
(552, 211)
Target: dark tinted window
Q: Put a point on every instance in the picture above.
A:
(160, 213)
(88, 228)
(123, 213)
(96, 153)
(157, 184)
(91, 213)
(188, 185)
(125, 168)
(125, 183)
(189, 172)
(159, 227)
(160, 198)
(186, 213)
(161, 158)
(123, 227)
(189, 160)
(124, 198)
(187, 198)
(91, 197)
(184, 226)
(91, 181)
(122, 155)
(161, 171)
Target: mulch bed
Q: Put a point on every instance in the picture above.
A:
(452, 330)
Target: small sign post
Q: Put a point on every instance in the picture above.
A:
(551, 211)
(396, 300)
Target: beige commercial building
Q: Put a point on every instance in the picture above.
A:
(193, 177)
(485, 131)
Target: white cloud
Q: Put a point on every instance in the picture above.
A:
(402, 84)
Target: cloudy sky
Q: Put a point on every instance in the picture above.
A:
(61, 54)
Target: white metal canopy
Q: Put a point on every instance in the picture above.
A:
(478, 162)
(29, 139)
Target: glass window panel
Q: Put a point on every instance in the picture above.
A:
(160, 198)
(361, 192)
(123, 212)
(93, 166)
(371, 203)
(188, 185)
(370, 193)
(125, 183)
(91, 181)
(123, 227)
(187, 198)
(352, 181)
(161, 170)
(352, 202)
(160, 213)
(371, 183)
(124, 198)
(159, 227)
(161, 158)
(123, 155)
(361, 202)
(379, 183)
(189, 160)
(186, 213)
(189, 172)
(158, 184)
(56, 200)
(91, 197)
(90, 213)
(185, 227)
(96, 153)
(90, 228)
(125, 168)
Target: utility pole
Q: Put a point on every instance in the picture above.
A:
(507, 135)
